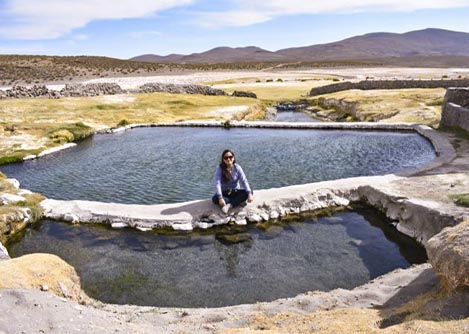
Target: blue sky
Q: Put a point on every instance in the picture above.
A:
(127, 28)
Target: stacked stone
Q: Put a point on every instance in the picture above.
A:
(17, 92)
(91, 89)
(239, 93)
(388, 84)
(154, 87)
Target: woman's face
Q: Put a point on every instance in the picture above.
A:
(228, 159)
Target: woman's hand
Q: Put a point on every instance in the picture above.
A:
(250, 198)
(221, 202)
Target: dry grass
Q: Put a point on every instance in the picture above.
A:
(411, 105)
(350, 320)
(275, 90)
(31, 125)
(36, 270)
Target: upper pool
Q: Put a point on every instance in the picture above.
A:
(175, 164)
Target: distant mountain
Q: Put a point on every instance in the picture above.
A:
(422, 43)
(222, 54)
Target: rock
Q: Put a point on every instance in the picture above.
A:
(274, 214)
(255, 218)
(3, 253)
(264, 216)
(239, 93)
(63, 288)
(71, 217)
(30, 157)
(455, 110)
(119, 225)
(183, 227)
(204, 225)
(233, 238)
(143, 229)
(6, 198)
(14, 182)
(241, 222)
(448, 252)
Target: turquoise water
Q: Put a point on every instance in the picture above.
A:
(167, 165)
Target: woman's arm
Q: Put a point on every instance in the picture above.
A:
(218, 182)
(243, 179)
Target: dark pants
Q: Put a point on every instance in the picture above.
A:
(234, 196)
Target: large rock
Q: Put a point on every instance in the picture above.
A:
(455, 110)
(36, 271)
(448, 252)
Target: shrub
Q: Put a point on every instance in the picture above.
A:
(461, 199)
(123, 122)
(62, 136)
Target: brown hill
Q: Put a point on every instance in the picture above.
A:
(422, 43)
(222, 54)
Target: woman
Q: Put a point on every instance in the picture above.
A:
(229, 174)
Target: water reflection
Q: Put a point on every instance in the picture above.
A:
(226, 266)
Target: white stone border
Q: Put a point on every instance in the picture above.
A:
(268, 204)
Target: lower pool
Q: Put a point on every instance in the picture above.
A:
(229, 265)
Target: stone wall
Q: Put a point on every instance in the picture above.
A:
(388, 84)
(75, 90)
(179, 89)
(455, 112)
(91, 89)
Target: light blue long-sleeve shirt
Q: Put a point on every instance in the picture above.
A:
(237, 177)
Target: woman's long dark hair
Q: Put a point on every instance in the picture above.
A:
(225, 173)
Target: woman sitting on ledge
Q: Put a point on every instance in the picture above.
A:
(229, 174)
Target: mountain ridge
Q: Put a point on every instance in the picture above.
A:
(426, 42)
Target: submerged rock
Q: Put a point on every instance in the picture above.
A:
(233, 238)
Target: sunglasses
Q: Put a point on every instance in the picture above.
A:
(226, 157)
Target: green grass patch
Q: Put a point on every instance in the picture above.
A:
(435, 103)
(461, 199)
(17, 157)
(123, 122)
(71, 133)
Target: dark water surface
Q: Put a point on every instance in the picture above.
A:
(295, 116)
(166, 165)
(202, 269)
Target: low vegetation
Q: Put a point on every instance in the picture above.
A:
(36, 69)
(31, 125)
(400, 105)
(461, 199)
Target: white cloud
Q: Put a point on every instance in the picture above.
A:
(48, 19)
(248, 12)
